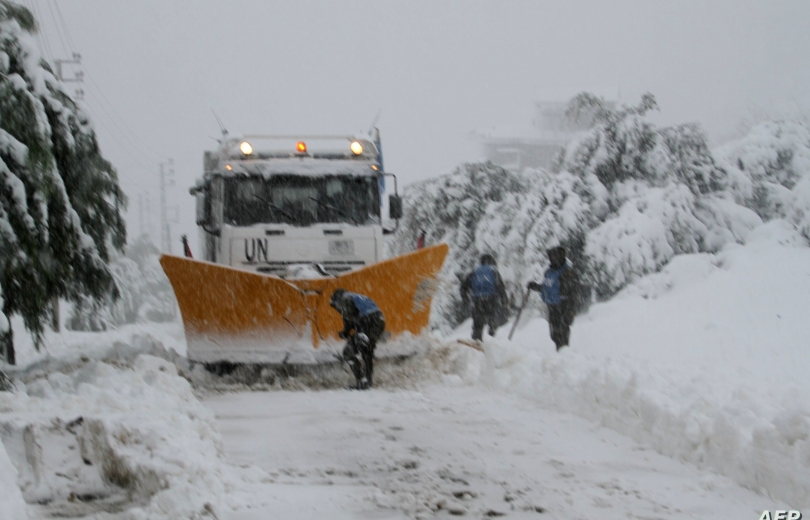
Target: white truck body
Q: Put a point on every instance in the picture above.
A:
(272, 212)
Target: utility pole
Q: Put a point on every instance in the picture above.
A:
(150, 213)
(145, 210)
(140, 214)
(74, 65)
(166, 181)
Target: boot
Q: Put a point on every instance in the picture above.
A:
(362, 384)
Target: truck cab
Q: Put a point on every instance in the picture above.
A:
(294, 207)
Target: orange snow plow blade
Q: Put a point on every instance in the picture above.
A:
(246, 317)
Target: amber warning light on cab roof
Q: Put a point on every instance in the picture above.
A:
(301, 147)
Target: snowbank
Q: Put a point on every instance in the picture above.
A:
(126, 341)
(118, 432)
(12, 505)
(705, 361)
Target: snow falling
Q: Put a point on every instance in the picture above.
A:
(683, 393)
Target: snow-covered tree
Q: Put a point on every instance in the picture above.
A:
(89, 315)
(770, 171)
(623, 198)
(4, 329)
(91, 184)
(449, 209)
(143, 290)
(662, 193)
(130, 283)
(60, 204)
(148, 293)
(554, 210)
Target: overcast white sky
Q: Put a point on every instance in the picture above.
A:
(435, 70)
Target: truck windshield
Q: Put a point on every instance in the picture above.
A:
(301, 201)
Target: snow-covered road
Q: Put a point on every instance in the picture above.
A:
(455, 450)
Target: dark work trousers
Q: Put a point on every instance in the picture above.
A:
(484, 313)
(558, 325)
(359, 355)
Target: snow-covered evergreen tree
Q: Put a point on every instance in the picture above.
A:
(144, 293)
(159, 304)
(130, 283)
(89, 315)
(94, 196)
(149, 295)
(4, 330)
(60, 204)
(448, 209)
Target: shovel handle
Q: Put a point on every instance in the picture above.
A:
(520, 311)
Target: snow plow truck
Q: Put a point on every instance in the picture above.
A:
(283, 221)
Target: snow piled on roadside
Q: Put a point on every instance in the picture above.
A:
(705, 361)
(12, 505)
(125, 426)
(73, 345)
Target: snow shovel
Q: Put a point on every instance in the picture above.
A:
(471, 343)
(520, 311)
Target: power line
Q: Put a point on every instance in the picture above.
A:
(126, 131)
(112, 120)
(112, 135)
(58, 30)
(41, 33)
(101, 93)
(64, 25)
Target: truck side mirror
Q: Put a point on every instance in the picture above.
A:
(203, 208)
(395, 207)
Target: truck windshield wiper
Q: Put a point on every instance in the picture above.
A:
(283, 212)
(327, 206)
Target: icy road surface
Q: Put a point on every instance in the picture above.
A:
(455, 450)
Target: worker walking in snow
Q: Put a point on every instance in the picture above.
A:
(560, 292)
(488, 293)
(363, 324)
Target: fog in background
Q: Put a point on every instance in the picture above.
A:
(436, 72)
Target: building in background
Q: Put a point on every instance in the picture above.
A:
(536, 146)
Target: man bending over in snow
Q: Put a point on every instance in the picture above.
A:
(363, 324)
(560, 292)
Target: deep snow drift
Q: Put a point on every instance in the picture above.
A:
(115, 430)
(705, 361)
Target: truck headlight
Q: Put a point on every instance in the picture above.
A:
(246, 148)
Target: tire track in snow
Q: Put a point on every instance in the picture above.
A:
(461, 451)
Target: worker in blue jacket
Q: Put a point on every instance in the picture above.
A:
(363, 324)
(560, 292)
(488, 293)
